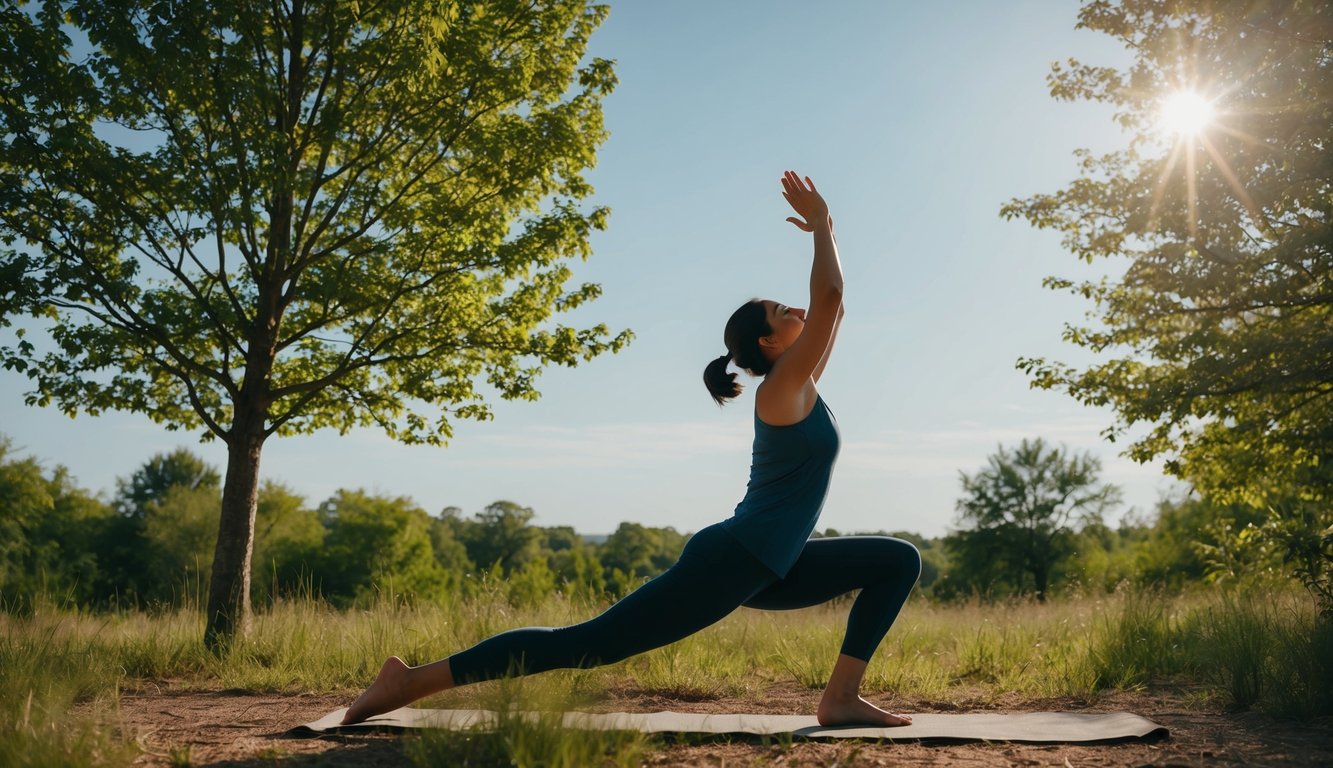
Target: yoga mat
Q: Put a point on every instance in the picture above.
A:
(1030, 727)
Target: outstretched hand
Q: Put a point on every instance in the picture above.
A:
(806, 201)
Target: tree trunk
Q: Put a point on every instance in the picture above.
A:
(228, 611)
(1040, 577)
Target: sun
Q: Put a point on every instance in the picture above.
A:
(1185, 113)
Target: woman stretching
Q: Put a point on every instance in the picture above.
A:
(760, 557)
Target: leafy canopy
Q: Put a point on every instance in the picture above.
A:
(1218, 335)
(329, 214)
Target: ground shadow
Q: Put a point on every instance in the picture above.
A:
(358, 751)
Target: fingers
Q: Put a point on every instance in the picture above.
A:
(804, 198)
(793, 182)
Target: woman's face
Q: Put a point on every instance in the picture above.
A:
(786, 322)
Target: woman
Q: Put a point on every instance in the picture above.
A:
(760, 557)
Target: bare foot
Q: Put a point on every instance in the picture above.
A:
(387, 693)
(856, 711)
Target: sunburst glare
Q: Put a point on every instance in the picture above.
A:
(1185, 113)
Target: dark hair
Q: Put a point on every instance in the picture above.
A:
(747, 325)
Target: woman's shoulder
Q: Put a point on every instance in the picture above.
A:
(778, 407)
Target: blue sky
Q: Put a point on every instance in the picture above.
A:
(917, 121)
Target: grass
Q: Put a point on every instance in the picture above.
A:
(527, 731)
(42, 676)
(1262, 650)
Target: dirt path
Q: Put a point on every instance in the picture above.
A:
(236, 728)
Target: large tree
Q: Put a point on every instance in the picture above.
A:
(1020, 513)
(1218, 333)
(263, 218)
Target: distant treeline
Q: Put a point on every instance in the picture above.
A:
(151, 544)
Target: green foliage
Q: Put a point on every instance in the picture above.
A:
(181, 532)
(1301, 672)
(1216, 332)
(49, 533)
(377, 546)
(450, 553)
(288, 540)
(531, 584)
(501, 535)
(635, 552)
(158, 547)
(1022, 514)
(1254, 647)
(1236, 642)
(258, 219)
(1175, 548)
(160, 475)
(1303, 535)
(374, 223)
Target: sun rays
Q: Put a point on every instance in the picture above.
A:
(1199, 116)
(1190, 120)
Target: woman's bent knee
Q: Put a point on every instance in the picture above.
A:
(905, 559)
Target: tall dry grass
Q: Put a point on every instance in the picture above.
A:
(1246, 649)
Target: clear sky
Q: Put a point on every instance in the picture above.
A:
(917, 121)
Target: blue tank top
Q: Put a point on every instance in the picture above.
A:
(789, 478)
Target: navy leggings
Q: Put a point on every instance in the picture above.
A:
(714, 576)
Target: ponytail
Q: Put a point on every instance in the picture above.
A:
(744, 329)
(721, 385)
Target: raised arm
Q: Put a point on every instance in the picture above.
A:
(819, 369)
(794, 374)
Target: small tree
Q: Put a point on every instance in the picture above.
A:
(1021, 512)
(266, 218)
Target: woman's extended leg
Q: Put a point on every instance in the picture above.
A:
(885, 569)
(712, 578)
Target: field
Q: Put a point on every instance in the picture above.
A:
(1240, 678)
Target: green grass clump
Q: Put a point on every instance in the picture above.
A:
(1265, 650)
(43, 674)
(1137, 644)
(1302, 677)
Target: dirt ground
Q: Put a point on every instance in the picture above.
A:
(236, 728)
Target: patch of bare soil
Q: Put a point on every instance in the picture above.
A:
(235, 728)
